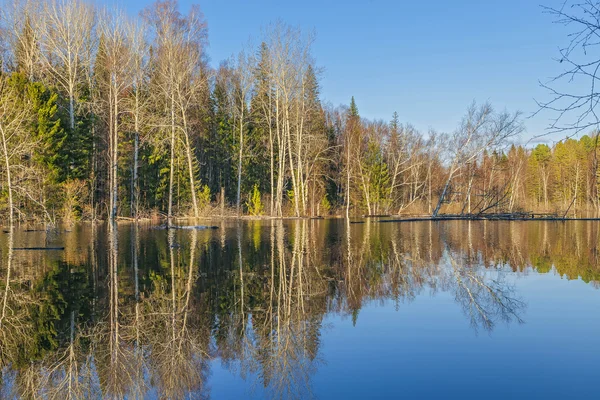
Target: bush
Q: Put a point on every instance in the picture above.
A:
(203, 198)
(292, 198)
(325, 206)
(254, 203)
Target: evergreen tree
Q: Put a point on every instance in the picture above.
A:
(394, 123)
(353, 112)
(220, 152)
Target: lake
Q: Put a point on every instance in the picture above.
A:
(303, 309)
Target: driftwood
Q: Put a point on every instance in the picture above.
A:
(517, 216)
(190, 227)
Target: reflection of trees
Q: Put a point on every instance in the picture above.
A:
(69, 372)
(137, 312)
(173, 332)
(270, 330)
(42, 345)
(114, 355)
(16, 333)
(570, 249)
(287, 343)
(485, 301)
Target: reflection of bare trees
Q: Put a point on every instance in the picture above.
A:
(8, 322)
(15, 325)
(280, 350)
(69, 373)
(484, 300)
(177, 340)
(119, 370)
(162, 303)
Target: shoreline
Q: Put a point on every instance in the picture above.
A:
(353, 220)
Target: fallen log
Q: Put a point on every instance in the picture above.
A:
(38, 248)
(487, 218)
(197, 227)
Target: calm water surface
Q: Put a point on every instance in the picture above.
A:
(303, 309)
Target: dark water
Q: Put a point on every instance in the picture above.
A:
(303, 309)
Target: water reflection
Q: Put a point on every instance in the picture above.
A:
(131, 311)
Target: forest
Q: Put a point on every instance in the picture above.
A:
(107, 116)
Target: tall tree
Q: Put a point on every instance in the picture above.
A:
(66, 35)
(116, 58)
(351, 142)
(480, 129)
(180, 42)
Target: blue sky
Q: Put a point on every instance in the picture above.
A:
(427, 60)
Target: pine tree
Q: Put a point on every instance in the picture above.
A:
(394, 123)
(353, 108)
(220, 146)
(262, 110)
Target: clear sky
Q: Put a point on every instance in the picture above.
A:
(427, 60)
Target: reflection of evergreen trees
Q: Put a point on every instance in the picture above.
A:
(64, 291)
(254, 295)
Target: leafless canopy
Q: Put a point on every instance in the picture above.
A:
(574, 95)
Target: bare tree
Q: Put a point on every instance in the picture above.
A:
(289, 60)
(116, 57)
(17, 146)
(66, 34)
(575, 110)
(138, 102)
(239, 92)
(180, 44)
(481, 129)
(19, 19)
(12, 129)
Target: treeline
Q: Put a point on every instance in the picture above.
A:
(562, 179)
(106, 116)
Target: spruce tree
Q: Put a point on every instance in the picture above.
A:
(353, 108)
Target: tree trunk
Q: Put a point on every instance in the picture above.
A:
(71, 111)
(172, 166)
(222, 201)
(441, 200)
(134, 185)
(239, 179)
(271, 166)
(115, 155)
(135, 189)
(348, 179)
(8, 178)
(293, 173)
(190, 163)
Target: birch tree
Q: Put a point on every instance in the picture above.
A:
(290, 57)
(180, 50)
(481, 129)
(18, 19)
(239, 92)
(117, 59)
(138, 102)
(263, 101)
(13, 122)
(66, 34)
